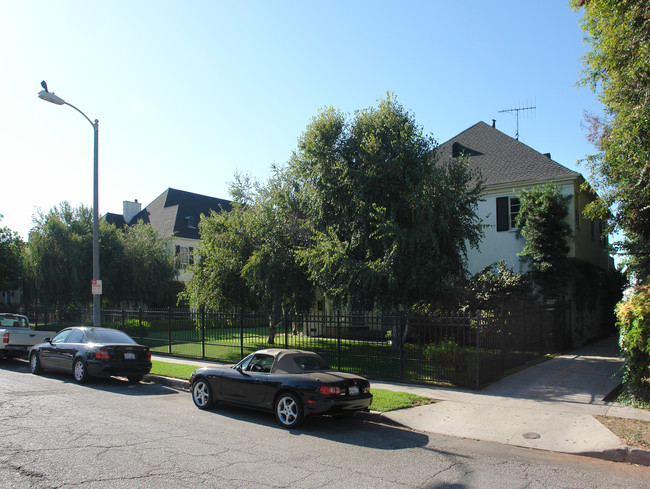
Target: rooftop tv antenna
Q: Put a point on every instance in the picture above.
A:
(516, 111)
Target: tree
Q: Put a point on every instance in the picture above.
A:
(58, 258)
(542, 222)
(223, 251)
(494, 286)
(617, 69)
(247, 257)
(389, 223)
(136, 264)
(10, 259)
(148, 267)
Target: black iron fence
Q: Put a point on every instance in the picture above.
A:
(467, 350)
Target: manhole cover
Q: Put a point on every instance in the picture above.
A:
(532, 436)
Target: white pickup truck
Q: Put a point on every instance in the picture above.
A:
(16, 336)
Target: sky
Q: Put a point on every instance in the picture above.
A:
(189, 92)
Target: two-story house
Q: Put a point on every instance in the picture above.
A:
(176, 215)
(506, 167)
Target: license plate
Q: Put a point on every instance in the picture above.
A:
(129, 356)
(353, 391)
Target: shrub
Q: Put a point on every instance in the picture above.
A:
(131, 325)
(633, 315)
(445, 352)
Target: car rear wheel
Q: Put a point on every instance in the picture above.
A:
(35, 364)
(79, 371)
(288, 410)
(202, 394)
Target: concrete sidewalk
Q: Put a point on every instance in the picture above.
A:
(549, 406)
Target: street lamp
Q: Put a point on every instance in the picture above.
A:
(97, 284)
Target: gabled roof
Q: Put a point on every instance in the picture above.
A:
(502, 159)
(116, 219)
(177, 212)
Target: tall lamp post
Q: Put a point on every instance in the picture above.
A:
(97, 284)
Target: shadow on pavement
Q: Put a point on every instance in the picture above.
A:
(353, 431)
(116, 385)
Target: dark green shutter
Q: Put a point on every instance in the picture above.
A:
(502, 214)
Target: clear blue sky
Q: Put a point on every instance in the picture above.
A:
(187, 92)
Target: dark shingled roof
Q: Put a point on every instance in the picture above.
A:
(176, 212)
(116, 219)
(502, 159)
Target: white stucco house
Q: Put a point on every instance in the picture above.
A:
(508, 166)
(176, 215)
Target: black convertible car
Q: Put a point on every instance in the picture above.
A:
(97, 352)
(291, 383)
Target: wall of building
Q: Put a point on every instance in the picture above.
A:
(504, 245)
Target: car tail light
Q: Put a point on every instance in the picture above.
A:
(148, 355)
(101, 355)
(330, 390)
(5, 338)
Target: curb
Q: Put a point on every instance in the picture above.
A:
(180, 384)
(625, 454)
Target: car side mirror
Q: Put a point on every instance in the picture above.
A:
(47, 340)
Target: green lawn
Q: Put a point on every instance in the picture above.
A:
(383, 399)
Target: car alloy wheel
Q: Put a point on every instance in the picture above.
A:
(79, 371)
(202, 394)
(288, 410)
(35, 364)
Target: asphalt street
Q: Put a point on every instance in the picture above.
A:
(110, 434)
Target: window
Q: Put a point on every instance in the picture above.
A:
(507, 212)
(60, 338)
(310, 363)
(260, 363)
(75, 336)
(184, 256)
(110, 336)
(514, 212)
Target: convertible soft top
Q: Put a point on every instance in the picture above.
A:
(285, 360)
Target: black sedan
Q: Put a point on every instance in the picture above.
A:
(291, 383)
(97, 352)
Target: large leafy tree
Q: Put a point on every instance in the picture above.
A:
(617, 69)
(247, 257)
(136, 265)
(58, 256)
(222, 253)
(390, 223)
(542, 222)
(10, 259)
(148, 267)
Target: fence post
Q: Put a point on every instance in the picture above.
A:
(523, 335)
(169, 328)
(502, 337)
(338, 338)
(241, 333)
(399, 327)
(202, 331)
(286, 329)
(140, 320)
(123, 320)
(478, 349)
